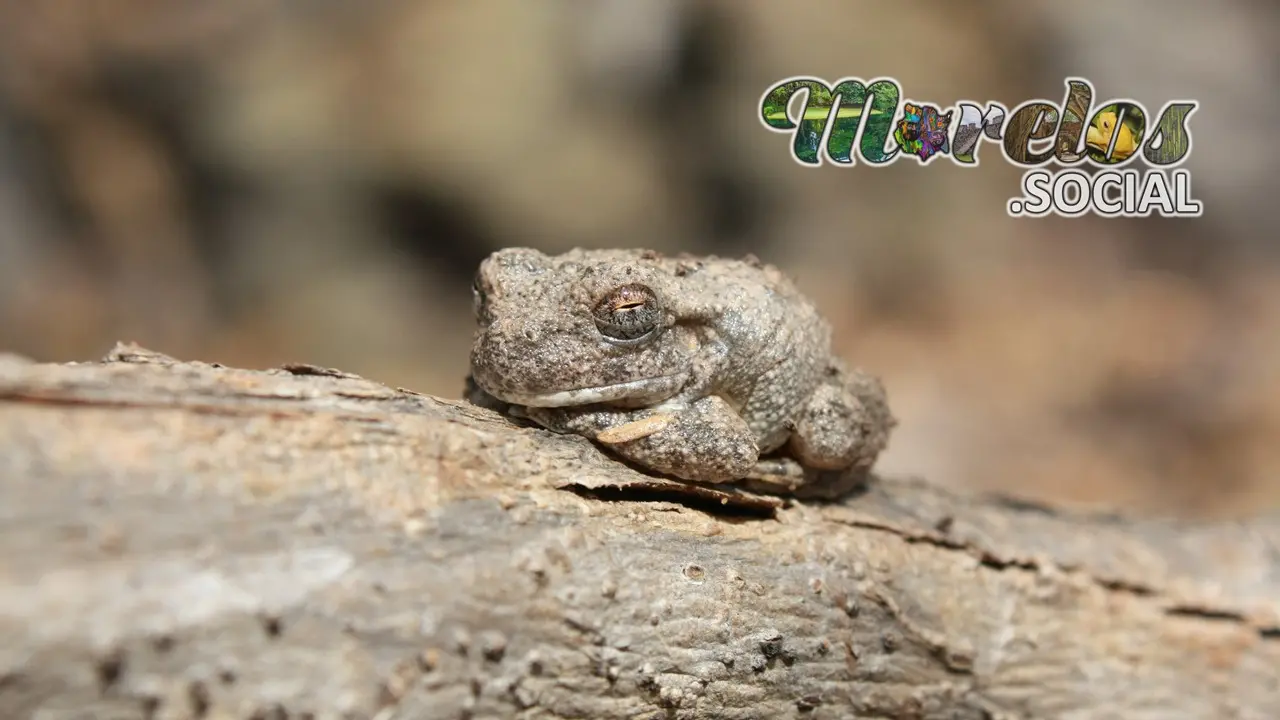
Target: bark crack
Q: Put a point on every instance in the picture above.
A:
(988, 559)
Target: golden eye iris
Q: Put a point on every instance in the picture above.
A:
(628, 314)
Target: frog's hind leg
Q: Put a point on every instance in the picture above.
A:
(785, 476)
(776, 475)
(845, 424)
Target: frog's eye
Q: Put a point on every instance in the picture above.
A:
(628, 314)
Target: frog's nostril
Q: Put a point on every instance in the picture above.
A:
(530, 333)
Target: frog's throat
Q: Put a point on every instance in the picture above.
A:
(644, 390)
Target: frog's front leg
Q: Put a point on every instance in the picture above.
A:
(703, 441)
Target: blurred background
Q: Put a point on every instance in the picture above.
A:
(259, 181)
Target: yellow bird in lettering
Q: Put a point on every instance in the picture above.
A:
(1100, 132)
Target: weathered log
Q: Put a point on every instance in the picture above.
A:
(187, 540)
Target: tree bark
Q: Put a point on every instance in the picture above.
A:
(188, 540)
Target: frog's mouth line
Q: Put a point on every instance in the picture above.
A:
(654, 388)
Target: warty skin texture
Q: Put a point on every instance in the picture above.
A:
(699, 368)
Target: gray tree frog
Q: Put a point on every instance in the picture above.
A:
(705, 369)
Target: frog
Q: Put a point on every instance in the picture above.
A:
(705, 369)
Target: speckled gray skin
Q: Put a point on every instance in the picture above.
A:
(705, 369)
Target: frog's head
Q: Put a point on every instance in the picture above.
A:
(586, 327)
